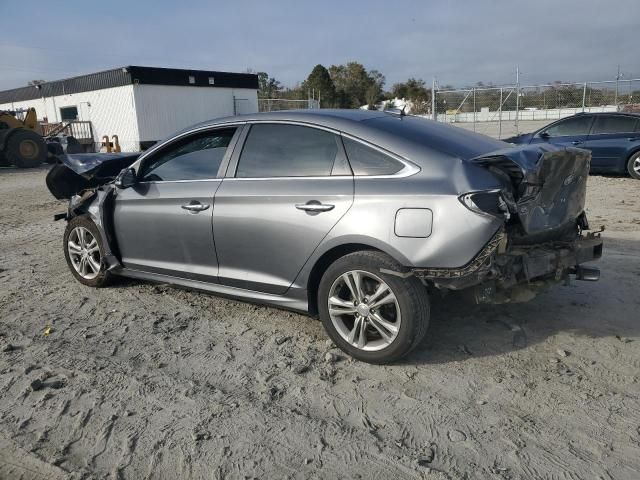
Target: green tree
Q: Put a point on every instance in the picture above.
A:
(268, 87)
(416, 92)
(320, 82)
(355, 86)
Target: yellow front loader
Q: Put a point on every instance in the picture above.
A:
(21, 142)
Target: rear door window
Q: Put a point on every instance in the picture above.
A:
(613, 124)
(578, 125)
(366, 161)
(277, 150)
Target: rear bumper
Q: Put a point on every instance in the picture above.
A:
(498, 272)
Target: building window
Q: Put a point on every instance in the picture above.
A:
(68, 113)
(211, 81)
(192, 79)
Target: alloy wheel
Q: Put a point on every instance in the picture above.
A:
(364, 310)
(84, 253)
(636, 165)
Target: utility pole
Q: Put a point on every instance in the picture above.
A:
(617, 82)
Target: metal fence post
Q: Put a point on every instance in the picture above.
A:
(584, 95)
(474, 109)
(517, 98)
(500, 116)
(434, 113)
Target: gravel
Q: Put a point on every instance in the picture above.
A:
(146, 381)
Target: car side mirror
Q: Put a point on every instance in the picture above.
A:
(544, 135)
(126, 178)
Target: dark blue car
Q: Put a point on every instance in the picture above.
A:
(613, 138)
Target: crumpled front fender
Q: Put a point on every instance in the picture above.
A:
(97, 204)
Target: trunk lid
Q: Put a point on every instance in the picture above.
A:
(547, 184)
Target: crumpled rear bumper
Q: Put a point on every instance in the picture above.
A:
(500, 273)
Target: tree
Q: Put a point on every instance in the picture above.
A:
(355, 86)
(268, 87)
(319, 81)
(416, 92)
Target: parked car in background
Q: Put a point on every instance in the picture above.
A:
(349, 215)
(612, 138)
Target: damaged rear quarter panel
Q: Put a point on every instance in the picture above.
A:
(551, 189)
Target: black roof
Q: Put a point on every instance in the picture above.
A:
(131, 75)
(619, 114)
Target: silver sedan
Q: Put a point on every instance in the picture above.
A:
(352, 216)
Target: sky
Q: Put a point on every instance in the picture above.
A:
(459, 42)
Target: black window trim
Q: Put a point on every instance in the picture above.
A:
(408, 169)
(158, 149)
(635, 126)
(588, 115)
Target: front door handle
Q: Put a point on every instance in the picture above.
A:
(314, 207)
(576, 142)
(195, 207)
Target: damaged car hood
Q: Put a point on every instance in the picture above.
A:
(548, 183)
(78, 172)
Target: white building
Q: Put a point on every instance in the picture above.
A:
(140, 105)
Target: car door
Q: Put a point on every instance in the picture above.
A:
(281, 196)
(610, 138)
(568, 132)
(163, 224)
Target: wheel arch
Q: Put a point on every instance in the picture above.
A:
(325, 260)
(630, 153)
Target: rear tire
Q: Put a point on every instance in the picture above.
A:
(383, 318)
(633, 165)
(25, 148)
(84, 252)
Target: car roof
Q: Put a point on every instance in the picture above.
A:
(317, 116)
(406, 135)
(616, 114)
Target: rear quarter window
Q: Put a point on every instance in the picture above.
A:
(367, 161)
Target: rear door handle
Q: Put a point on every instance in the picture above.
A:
(195, 207)
(314, 207)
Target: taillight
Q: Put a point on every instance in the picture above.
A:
(486, 202)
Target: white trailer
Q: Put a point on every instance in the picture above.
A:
(140, 105)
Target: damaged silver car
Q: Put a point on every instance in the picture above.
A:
(353, 216)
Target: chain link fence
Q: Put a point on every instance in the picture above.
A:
(506, 111)
(277, 104)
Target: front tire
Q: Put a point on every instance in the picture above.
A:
(633, 165)
(84, 251)
(373, 316)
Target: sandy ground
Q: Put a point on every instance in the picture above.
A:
(145, 381)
